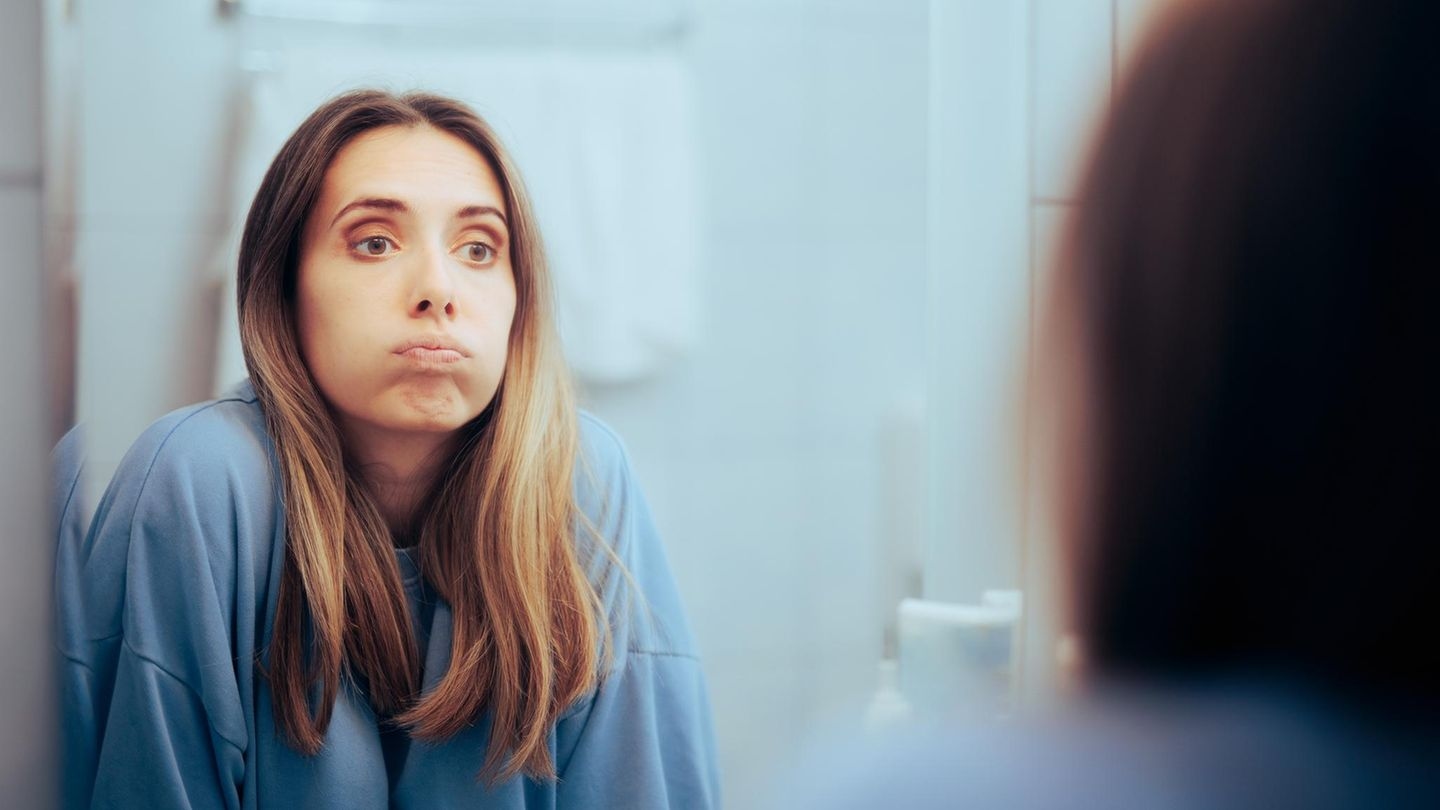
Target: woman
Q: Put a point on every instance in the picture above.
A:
(1241, 370)
(396, 567)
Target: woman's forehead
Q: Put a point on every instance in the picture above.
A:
(425, 169)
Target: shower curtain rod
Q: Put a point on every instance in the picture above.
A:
(510, 17)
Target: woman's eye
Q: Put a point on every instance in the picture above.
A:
(373, 246)
(479, 252)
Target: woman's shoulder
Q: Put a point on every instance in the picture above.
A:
(604, 478)
(600, 445)
(190, 509)
(204, 470)
(228, 432)
(614, 505)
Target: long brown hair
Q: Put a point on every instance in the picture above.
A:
(1249, 289)
(497, 533)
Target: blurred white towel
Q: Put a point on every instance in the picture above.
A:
(606, 146)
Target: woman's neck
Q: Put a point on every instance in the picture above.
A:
(399, 469)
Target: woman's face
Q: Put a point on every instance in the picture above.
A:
(406, 293)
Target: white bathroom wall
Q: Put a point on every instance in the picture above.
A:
(978, 303)
(1013, 87)
(1017, 89)
(154, 101)
(27, 718)
(767, 454)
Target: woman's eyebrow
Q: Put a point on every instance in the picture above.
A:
(480, 211)
(398, 207)
(378, 203)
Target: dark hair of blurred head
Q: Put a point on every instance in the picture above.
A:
(1253, 307)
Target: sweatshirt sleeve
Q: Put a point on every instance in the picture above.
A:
(645, 739)
(147, 613)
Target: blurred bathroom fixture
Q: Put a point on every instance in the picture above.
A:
(959, 660)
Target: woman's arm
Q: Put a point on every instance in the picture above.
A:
(646, 738)
(147, 603)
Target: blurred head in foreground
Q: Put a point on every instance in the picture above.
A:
(1243, 339)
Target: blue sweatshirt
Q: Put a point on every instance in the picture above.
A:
(167, 601)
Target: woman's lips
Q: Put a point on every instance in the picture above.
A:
(428, 355)
(432, 351)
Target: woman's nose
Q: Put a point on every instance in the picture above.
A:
(425, 304)
(434, 289)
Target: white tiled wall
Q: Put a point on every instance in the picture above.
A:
(154, 107)
(1009, 135)
(762, 453)
(1072, 57)
(978, 293)
(1016, 90)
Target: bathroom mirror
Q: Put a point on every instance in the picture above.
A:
(796, 246)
